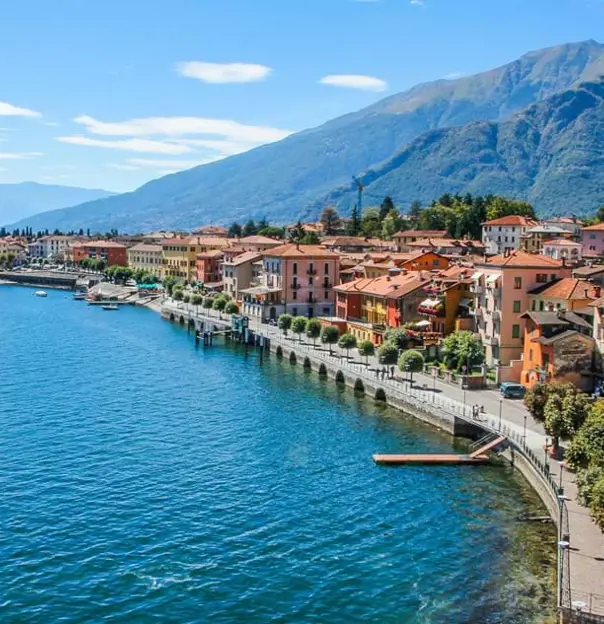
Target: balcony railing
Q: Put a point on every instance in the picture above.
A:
(312, 299)
(327, 285)
(311, 271)
(496, 315)
(295, 286)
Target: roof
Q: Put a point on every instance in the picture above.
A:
(570, 288)
(292, 250)
(103, 243)
(211, 253)
(258, 240)
(146, 247)
(547, 229)
(588, 271)
(598, 227)
(569, 220)
(211, 229)
(524, 259)
(545, 318)
(562, 242)
(421, 233)
(512, 220)
(561, 336)
(248, 256)
(351, 241)
(386, 286)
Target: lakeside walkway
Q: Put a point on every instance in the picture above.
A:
(586, 539)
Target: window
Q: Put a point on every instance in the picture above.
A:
(513, 239)
(295, 268)
(310, 281)
(326, 268)
(500, 228)
(541, 278)
(592, 248)
(534, 306)
(506, 239)
(311, 268)
(517, 283)
(326, 294)
(517, 307)
(295, 311)
(515, 331)
(435, 262)
(592, 237)
(326, 311)
(530, 355)
(295, 294)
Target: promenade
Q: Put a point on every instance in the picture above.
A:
(586, 553)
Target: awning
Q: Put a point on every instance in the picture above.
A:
(465, 303)
(423, 324)
(430, 303)
(492, 279)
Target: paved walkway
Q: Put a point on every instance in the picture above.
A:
(587, 541)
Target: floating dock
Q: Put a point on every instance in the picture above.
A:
(479, 456)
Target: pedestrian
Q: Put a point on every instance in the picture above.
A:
(377, 372)
(392, 372)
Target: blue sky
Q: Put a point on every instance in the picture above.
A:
(110, 94)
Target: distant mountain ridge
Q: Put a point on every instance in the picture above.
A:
(550, 154)
(20, 201)
(290, 179)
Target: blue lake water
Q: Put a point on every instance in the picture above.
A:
(144, 480)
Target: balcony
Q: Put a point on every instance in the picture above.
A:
(327, 285)
(295, 286)
(477, 289)
(311, 299)
(311, 271)
(496, 315)
(492, 341)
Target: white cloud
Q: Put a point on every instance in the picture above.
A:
(9, 110)
(352, 81)
(130, 145)
(182, 126)
(19, 156)
(420, 3)
(122, 167)
(223, 73)
(222, 146)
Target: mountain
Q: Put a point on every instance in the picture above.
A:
(550, 154)
(287, 180)
(18, 201)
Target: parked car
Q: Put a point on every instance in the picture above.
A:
(511, 390)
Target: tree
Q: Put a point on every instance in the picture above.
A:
(235, 231)
(347, 341)
(398, 336)
(313, 329)
(219, 303)
(587, 446)
(177, 295)
(386, 207)
(330, 220)
(297, 233)
(371, 225)
(231, 307)
(391, 224)
(366, 348)
(284, 322)
(299, 325)
(564, 412)
(330, 335)
(310, 238)
(462, 349)
(196, 299)
(169, 283)
(353, 227)
(411, 361)
(250, 228)
(272, 231)
(208, 303)
(388, 353)
(186, 298)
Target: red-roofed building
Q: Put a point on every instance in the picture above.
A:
(208, 266)
(503, 235)
(109, 251)
(403, 238)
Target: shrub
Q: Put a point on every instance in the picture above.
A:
(231, 308)
(285, 322)
(219, 303)
(196, 299)
(388, 353)
(186, 298)
(411, 361)
(366, 348)
(177, 295)
(347, 341)
(313, 329)
(299, 325)
(330, 335)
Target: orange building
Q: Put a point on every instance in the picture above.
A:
(109, 251)
(208, 266)
(558, 347)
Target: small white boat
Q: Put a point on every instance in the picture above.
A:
(41, 293)
(110, 306)
(80, 296)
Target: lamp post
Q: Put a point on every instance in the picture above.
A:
(524, 435)
(562, 466)
(563, 546)
(464, 399)
(500, 408)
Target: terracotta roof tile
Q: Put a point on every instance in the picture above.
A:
(385, 286)
(569, 288)
(512, 220)
(291, 250)
(523, 259)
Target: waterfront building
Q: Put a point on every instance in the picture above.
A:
(241, 270)
(558, 347)
(403, 238)
(296, 279)
(593, 241)
(179, 254)
(146, 257)
(501, 295)
(209, 268)
(568, 293)
(563, 249)
(372, 305)
(35, 249)
(15, 247)
(55, 247)
(503, 235)
(534, 238)
(109, 251)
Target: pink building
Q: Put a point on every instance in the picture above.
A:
(593, 241)
(501, 295)
(296, 279)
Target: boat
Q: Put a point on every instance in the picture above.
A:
(110, 306)
(80, 296)
(41, 293)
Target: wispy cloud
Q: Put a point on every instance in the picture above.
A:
(353, 81)
(223, 73)
(129, 145)
(8, 110)
(122, 167)
(19, 155)
(420, 3)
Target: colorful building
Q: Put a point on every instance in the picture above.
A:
(568, 293)
(240, 271)
(502, 235)
(558, 347)
(109, 251)
(146, 257)
(180, 254)
(403, 238)
(563, 249)
(501, 287)
(209, 267)
(593, 241)
(258, 243)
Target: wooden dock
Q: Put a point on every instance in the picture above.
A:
(479, 456)
(434, 460)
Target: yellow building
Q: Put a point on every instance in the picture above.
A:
(179, 255)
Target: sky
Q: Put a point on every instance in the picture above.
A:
(113, 93)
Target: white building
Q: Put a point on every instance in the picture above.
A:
(55, 246)
(563, 249)
(146, 257)
(502, 235)
(570, 224)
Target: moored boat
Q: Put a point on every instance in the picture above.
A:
(80, 296)
(41, 293)
(110, 306)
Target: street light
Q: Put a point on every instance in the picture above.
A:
(562, 466)
(525, 416)
(500, 408)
